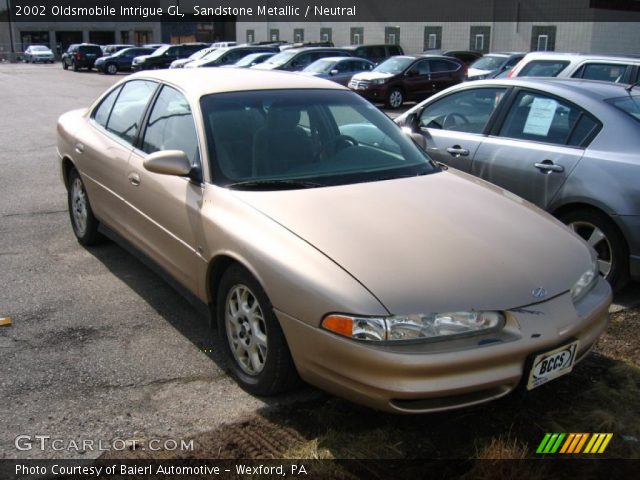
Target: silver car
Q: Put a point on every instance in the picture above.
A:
(569, 146)
(38, 53)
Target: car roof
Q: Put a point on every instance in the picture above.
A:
(581, 56)
(197, 82)
(338, 59)
(311, 49)
(592, 89)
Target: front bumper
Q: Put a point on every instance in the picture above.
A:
(376, 93)
(444, 375)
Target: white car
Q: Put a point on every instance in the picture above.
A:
(607, 68)
(38, 53)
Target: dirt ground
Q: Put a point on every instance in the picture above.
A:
(602, 394)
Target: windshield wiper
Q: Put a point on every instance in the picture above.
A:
(273, 185)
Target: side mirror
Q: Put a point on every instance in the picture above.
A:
(333, 72)
(412, 73)
(417, 138)
(168, 162)
(412, 122)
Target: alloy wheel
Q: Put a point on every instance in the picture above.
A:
(596, 238)
(246, 329)
(79, 206)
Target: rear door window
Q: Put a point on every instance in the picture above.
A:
(541, 118)
(440, 66)
(543, 68)
(126, 114)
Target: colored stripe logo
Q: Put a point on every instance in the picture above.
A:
(573, 443)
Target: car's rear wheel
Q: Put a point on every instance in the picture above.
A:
(84, 223)
(603, 236)
(395, 98)
(250, 336)
(111, 69)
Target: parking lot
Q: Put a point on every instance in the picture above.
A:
(100, 347)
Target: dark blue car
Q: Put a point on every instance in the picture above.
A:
(121, 60)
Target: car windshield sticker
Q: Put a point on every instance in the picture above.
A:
(540, 116)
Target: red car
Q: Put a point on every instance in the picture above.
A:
(405, 77)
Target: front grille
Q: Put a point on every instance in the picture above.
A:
(359, 84)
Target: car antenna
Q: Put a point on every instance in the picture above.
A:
(628, 88)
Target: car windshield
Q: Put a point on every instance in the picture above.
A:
(281, 58)
(161, 50)
(488, 62)
(629, 105)
(285, 139)
(201, 53)
(394, 65)
(320, 66)
(39, 48)
(249, 59)
(214, 54)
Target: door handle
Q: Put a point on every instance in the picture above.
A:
(79, 148)
(458, 151)
(548, 166)
(134, 179)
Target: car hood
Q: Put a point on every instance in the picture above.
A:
(181, 62)
(141, 58)
(440, 242)
(372, 75)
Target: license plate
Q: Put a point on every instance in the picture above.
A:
(551, 365)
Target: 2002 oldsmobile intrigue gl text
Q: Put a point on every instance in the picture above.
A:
(358, 265)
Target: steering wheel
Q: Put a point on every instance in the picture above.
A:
(333, 146)
(450, 120)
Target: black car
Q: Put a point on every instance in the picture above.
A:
(121, 60)
(81, 55)
(163, 56)
(228, 56)
(296, 59)
(375, 53)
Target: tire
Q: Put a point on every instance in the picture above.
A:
(270, 370)
(83, 222)
(111, 68)
(395, 98)
(64, 65)
(600, 232)
(74, 65)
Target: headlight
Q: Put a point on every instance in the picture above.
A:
(378, 81)
(585, 282)
(433, 326)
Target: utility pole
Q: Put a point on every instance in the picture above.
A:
(12, 56)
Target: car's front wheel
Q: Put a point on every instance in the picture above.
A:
(395, 98)
(603, 236)
(250, 336)
(84, 223)
(64, 65)
(74, 65)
